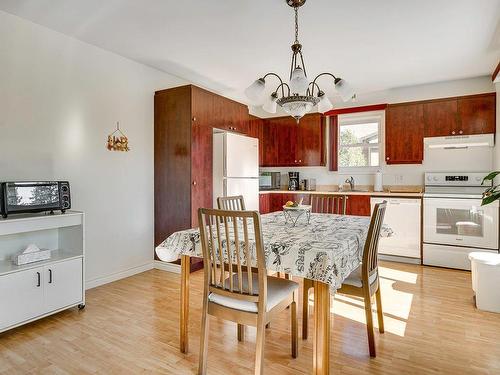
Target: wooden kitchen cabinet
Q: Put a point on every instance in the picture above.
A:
(358, 205)
(467, 115)
(291, 145)
(310, 148)
(183, 150)
(441, 118)
(230, 115)
(255, 128)
(264, 203)
(477, 114)
(404, 133)
(269, 144)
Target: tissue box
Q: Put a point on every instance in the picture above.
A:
(27, 258)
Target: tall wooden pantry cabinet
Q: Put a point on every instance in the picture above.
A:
(184, 121)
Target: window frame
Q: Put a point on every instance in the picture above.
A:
(356, 118)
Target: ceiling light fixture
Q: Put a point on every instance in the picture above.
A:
(299, 95)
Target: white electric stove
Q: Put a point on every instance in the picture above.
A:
(455, 223)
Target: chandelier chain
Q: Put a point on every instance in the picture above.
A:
(296, 24)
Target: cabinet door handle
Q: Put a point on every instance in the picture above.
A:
(50, 276)
(453, 132)
(39, 281)
(461, 132)
(194, 183)
(387, 158)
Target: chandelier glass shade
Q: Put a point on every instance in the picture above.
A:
(299, 95)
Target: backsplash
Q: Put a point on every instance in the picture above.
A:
(435, 160)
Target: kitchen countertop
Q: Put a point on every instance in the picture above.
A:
(402, 192)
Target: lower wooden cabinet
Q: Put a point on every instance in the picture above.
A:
(358, 205)
(264, 203)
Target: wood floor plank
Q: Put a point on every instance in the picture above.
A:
(131, 326)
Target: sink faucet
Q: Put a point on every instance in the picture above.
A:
(350, 181)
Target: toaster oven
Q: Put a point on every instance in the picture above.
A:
(34, 196)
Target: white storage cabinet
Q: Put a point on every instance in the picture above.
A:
(35, 290)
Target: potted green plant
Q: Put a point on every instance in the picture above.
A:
(492, 193)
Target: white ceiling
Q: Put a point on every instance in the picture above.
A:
(225, 44)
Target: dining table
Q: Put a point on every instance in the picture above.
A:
(325, 250)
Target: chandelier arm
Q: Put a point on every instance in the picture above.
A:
(323, 74)
(282, 87)
(312, 90)
(279, 78)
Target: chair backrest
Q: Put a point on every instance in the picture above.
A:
(370, 253)
(328, 204)
(234, 203)
(232, 243)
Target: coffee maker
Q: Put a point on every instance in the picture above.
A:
(293, 180)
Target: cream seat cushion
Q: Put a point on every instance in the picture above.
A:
(277, 290)
(354, 278)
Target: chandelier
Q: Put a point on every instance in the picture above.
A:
(298, 96)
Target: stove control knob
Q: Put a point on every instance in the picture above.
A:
(435, 178)
(478, 179)
(429, 178)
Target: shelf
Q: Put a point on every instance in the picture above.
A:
(22, 223)
(6, 265)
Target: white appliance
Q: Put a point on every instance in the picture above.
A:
(460, 141)
(455, 223)
(236, 168)
(402, 215)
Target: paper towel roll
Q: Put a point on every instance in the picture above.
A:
(378, 182)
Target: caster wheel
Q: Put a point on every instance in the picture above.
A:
(81, 306)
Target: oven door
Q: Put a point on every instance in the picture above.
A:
(461, 222)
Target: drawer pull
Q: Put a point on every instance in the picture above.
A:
(50, 276)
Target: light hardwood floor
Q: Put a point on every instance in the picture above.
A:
(131, 326)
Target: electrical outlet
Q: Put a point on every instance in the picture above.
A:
(399, 179)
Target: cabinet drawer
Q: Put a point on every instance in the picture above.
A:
(21, 296)
(63, 284)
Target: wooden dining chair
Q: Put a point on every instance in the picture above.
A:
(321, 204)
(234, 203)
(231, 243)
(364, 280)
(328, 204)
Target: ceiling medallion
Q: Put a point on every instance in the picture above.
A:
(299, 95)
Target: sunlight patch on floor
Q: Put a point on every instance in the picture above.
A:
(396, 304)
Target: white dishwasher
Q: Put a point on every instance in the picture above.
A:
(403, 217)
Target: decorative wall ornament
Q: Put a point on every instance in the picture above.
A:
(117, 141)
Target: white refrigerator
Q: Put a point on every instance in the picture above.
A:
(236, 168)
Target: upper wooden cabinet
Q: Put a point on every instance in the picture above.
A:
(477, 114)
(465, 115)
(255, 128)
(441, 118)
(404, 133)
(230, 115)
(288, 144)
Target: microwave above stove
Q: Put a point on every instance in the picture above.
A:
(34, 196)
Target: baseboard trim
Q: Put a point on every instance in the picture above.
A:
(118, 275)
(166, 266)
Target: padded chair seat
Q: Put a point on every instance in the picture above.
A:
(277, 290)
(354, 278)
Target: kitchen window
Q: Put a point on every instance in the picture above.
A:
(359, 142)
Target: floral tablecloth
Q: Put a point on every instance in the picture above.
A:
(327, 249)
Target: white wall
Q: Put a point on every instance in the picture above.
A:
(59, 99)
(434, 160)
